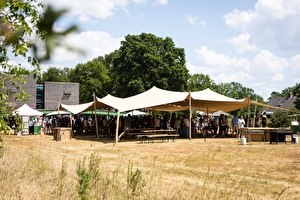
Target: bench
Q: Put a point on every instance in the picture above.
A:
(164, 137)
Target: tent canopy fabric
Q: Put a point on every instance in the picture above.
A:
(60, 112)
(109, 101)
(209, 101)
(156, 99)
(75, 109)
(25, 110)
(218, 113)
(135, 112)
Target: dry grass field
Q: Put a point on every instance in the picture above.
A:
(37, 167)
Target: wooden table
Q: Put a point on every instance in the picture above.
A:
(269, 133)
(164, 134)
(62, 133)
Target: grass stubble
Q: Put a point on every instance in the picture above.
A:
(37, 167)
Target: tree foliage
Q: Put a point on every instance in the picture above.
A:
(280, 119)
(18, 22)
(144, 61)
(200, 82)
(93, 77)
(54, 74)
(296, 92)
(23, 33)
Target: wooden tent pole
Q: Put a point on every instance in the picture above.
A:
(117, 128)
(190, 108)
(248, 118)
(254, 115)
(96, 120)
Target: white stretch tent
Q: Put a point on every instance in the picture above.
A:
(25, 110)
(210, 101)
(75, 109)
(218, 113)
(58, 113)
(135, 112)
(157, 99)
(164, 100)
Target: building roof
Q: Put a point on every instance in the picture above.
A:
(281, 102)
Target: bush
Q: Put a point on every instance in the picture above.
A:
(280, 119)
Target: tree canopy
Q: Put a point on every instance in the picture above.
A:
(54, 74)
(200, 82)
(144, 61)
(25, 26)
(93, 77)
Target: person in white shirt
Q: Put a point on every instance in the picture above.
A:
(241, 124)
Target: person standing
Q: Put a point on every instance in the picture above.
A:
(205, 126)
(235, 126)
(31, 126)
(177, 124)
(241, 124)
(157, 123)
(222, 125)
(264, 120)
(128, 122)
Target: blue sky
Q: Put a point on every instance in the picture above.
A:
(255, 43)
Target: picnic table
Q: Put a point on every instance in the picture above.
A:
(162, 134)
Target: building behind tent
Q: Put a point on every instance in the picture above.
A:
(44, 96)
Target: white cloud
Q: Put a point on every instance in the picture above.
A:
(272, 24)
(83, 18)
(264, 72)
(241, 43)
(139, 1)
(99, 9)
(214, 59)
(194, 20)
(92, 43)
(160, 2)
(191, 19)
(273, 64)
(278, 77)
(295, 63)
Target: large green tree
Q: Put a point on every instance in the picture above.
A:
(296, 92)
(26, 30)
(144, 61)
(54, 74)
(235, 90)
(200, 82)
(93, 77)
(18, 22)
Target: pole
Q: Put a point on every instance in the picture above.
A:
(96, 120)
(117, 128)
(190, 106)
(254, 115)
(248, 118)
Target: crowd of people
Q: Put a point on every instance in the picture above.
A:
(202, 125)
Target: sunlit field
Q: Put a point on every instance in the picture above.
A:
(37, 167)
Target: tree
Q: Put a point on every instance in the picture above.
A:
(200, 82)
(55, 75)
(235, 90)
(296, 92)
(93, 77)
(18, 21)
(24, 26)
(280, 119)
(144, 61)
